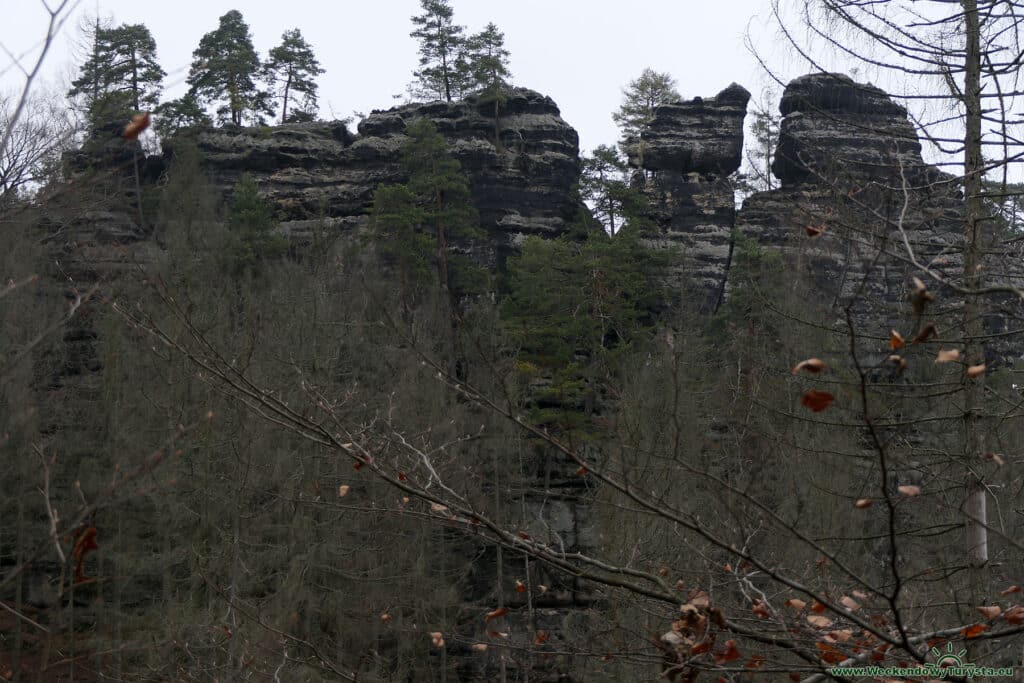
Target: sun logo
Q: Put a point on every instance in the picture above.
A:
(948, 658)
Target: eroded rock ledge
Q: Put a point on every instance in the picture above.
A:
(522, 166)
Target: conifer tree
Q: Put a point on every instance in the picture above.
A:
(291, 70)
(486, 60)
(639, 100)
(121, 75)
(184, 112)
(250, 222)
(224, 71)
(442, 72)
(429, 213)
(604, 187)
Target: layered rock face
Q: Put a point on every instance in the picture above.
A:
(833, 126)
(858, 205)
(521, 165)
(684, 157)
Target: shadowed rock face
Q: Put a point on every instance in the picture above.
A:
(834, 126)
(699, 136)
(850, 164)
(522, 167)
(842, 148)
(685, 155)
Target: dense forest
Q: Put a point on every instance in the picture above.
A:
(433, 396)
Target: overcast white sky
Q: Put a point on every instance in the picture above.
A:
(580, 52)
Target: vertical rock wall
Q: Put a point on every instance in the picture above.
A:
(684, 157)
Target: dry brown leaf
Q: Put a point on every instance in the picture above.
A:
(818, 621)
(909, 490)
(973, 631)
(438, 508)
(796, 604)
(1014, 615)
(699, 598)
(139, 123)
(817, 401)
(730, 654)
(540, 638)
(479, 647)
(760, 609)
(1011, 589)
(990, 611)
(896, 340)
(495, 614)
(948, 356)
(849, 603)
(829, 654)
(520, 586)
(814, 365)
(437, 638)
(841, 636)
(976, 370)
(343, 490)
(815, 230)
(860, 595)
(862, 503)
(385, 618)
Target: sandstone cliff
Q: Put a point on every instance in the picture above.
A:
(522, 165)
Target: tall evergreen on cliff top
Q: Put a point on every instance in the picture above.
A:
(291, 70)
(487, 61)
(639, 100)
(442, 72)
(121, 75)
(224, 71)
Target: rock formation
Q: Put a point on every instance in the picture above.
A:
(684, 157)
(522, 165)
(851, 167)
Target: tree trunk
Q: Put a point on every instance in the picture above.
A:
(284, 104)
(975, 504)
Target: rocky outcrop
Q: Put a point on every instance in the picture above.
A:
(836, 128)
(684, 157)
(522, 165)
(855, 193)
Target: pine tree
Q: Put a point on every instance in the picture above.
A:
(121, 75)
(640, 98)
(250, 222)
(183, 112)
(604, 187)
(292, 69)
(764, 130)
(422, 219)
(486, 61)
(442, 72)
(224, 70)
